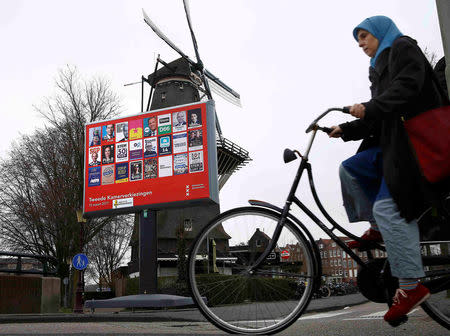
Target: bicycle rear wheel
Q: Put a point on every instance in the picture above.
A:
(436, 260)
(265, 300)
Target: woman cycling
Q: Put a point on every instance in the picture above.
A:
(382, 183)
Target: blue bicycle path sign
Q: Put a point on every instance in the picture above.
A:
(80, 261)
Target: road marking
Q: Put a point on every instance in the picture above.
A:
(375, 316)
(323, 315)
(307, 317)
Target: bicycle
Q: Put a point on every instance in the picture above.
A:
(239, 285)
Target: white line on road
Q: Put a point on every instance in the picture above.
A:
(323, 315)
(307, 317)
(375, 316)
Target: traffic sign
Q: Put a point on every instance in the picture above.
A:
(271, 256)
(285, 254)
(80, 261)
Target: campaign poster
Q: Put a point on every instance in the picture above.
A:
(179, 143)
(135, 129)
(194, 118)
(94, 156)
(150, 147)
(108, 132)
(195, 139)
(94, 176)
(136, 149)
(165, 145)
(122, 152)
(164, 124)
(179, 121)
(107, 174)
(136, 170)
(165, 166)
(180, 164)
(196, 163)
(150, 126)
(121, 172)
(108, 154)
(150, 168)
(122, 131)
(94, 136)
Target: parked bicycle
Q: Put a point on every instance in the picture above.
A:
(239, 286)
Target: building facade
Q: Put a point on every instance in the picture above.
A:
(337, 265)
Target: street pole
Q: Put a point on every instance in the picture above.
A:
(80, 284)
(443, 9)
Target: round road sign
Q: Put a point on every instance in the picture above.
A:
(285, 254)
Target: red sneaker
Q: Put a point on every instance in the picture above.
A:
(406, 300)
(368, 236)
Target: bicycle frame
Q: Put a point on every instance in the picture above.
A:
(292, 198)
(285, 213)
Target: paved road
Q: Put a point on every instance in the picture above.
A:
(364, 320)
(170, 315)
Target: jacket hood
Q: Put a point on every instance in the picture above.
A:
(383, 28)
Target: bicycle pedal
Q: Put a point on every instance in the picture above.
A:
(398, 322)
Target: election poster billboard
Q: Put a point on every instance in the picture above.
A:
(154, 160)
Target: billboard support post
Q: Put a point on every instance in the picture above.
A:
(148, 252)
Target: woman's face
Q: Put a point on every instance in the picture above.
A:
(107, 152)
(367, 42)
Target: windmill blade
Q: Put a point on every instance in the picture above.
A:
(194, 40)
(219, 87)
(164, 37)
(222, 85)
(225, 94)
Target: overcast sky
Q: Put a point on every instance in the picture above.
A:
(289, 60)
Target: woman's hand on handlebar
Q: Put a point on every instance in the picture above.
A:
(358, 111)
(336, 132)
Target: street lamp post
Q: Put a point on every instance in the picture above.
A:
(80, 284)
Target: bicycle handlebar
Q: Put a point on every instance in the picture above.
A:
(326, 129)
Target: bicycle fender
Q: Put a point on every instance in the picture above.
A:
(314, 246)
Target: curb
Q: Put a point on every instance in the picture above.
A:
(160, 315)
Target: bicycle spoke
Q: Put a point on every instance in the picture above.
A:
(264, 300)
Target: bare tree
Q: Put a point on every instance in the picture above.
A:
(42, 176)
(107, 249)
(431, 56)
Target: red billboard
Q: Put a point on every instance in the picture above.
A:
(152, 160)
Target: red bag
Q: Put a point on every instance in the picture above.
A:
(429, 134)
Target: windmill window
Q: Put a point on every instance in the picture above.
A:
(258, 242)
(188, 224)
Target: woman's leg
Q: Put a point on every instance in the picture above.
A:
(401, 238)
(402, 243)
(356, 203)
(360, 177)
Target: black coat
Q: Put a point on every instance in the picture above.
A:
(402, 86)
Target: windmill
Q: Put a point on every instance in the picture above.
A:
(185, 81)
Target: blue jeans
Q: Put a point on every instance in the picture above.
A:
(367, 198)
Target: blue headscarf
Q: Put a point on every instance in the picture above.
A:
(383, 28)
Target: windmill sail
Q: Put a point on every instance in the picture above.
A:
(225, 94)
(163, 37)
(217, 86)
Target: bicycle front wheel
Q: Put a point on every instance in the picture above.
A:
(262, 301)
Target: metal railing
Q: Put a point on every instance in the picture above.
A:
(39, 264)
